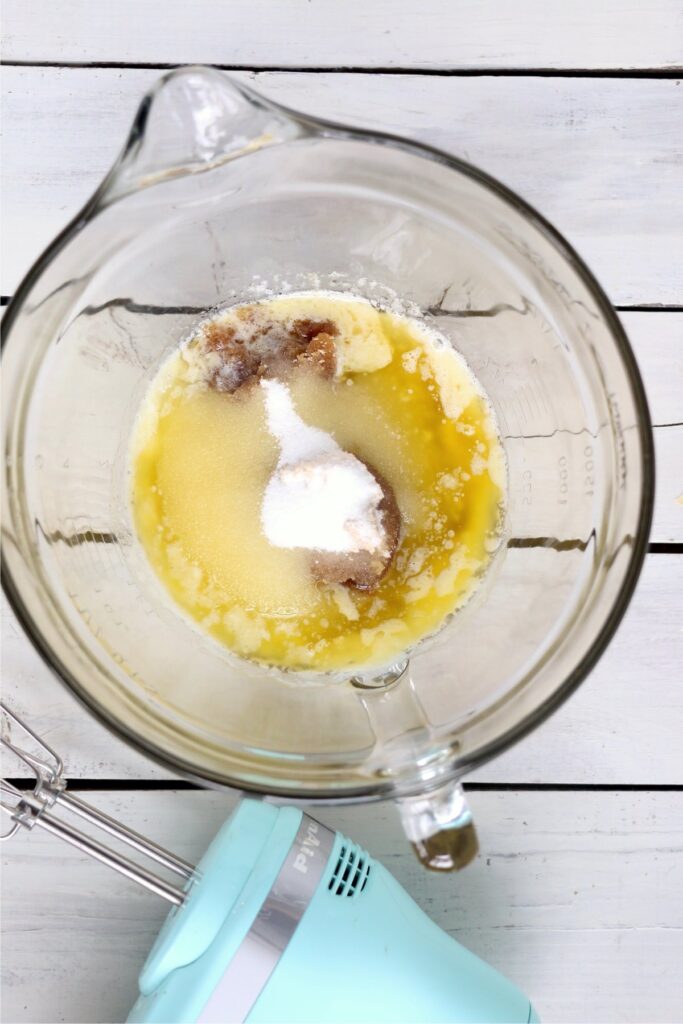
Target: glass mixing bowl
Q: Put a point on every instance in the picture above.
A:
(217, 191)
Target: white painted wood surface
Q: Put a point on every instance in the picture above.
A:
(324, 33)
(600, 158)
(577, 897)
(578, 894)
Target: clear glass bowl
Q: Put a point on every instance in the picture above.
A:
(216, 190)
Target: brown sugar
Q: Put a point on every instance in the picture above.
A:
(218, 336)
(266, 348)
(307, 330)
(363, 569)
(321, 353)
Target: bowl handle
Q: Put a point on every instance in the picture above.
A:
(438, 821)
(440, 828)
(193, 119)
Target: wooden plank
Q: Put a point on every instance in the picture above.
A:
(623, 726)
(577, 897)
(296, 33)
(668, 519)
(657, 340)
(615, 727)
(599, 157)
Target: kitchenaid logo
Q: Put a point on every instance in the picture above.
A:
(307, 847)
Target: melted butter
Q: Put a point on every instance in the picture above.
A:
(405, 403)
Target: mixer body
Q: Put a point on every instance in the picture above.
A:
(291, 922)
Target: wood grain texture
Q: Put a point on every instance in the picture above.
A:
(577, 897)
(657, 340)
(669, 484)
(623, 726)
(435, 34)
(601, 158)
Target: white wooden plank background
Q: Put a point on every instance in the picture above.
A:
(480, 34)
(601, 158)
(577, 895)
(578, 898)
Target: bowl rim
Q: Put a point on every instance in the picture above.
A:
(322, 128)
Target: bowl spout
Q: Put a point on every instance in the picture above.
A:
(193, 119)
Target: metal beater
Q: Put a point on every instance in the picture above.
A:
(28, 809)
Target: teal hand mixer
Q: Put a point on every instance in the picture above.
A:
(281, 920)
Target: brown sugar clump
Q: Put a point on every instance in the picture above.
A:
(232, 374)
(266, 349)
(219, 337)
(307, 330)
(321, 353)
(363, 569)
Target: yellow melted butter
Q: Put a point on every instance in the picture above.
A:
(402, 401)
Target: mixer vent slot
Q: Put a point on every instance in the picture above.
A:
(351, 872)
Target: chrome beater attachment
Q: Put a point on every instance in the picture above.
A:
(26, 809)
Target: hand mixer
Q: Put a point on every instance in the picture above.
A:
(282, 920)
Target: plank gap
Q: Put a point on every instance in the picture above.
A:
(651, 307)
(672, 72)
(171, 785)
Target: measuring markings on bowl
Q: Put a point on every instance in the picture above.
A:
(589, 469)
(563, 466)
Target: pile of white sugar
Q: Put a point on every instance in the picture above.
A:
(319, 496)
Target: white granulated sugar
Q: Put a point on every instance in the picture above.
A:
(298, 441)
(319, 497)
